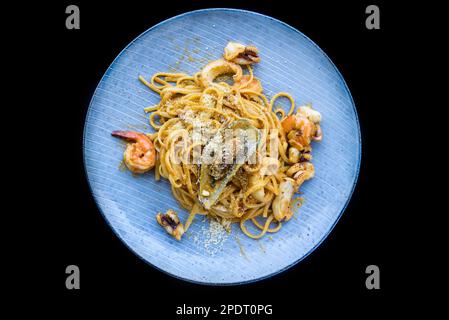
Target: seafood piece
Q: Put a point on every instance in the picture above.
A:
(171, 223)
(300, 131)
(303, 127)
(318, 133)
(269, 167)
(315, 117)
(240, 54)
(233, 49)
(309, 113)
(305, 156)
(140, 154)
(254, 85)
(281, 204)
(293, 155)
(301, 172)
(219, 67)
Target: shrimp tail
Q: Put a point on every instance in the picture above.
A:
(127, 135)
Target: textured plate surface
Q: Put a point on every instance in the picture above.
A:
(290, 62)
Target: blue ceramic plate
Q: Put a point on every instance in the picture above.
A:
(290, 62)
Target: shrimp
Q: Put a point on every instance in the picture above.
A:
(303, 133)
(244, 83)
(140, 155)
(303, 127)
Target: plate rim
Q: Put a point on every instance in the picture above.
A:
(323, 238)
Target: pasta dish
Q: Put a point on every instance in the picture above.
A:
(227, 150)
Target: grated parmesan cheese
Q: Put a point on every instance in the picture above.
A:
(211, 238)
(208, 101)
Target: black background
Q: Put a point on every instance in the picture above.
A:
(70, 63)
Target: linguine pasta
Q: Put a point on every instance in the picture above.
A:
(194, 111)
